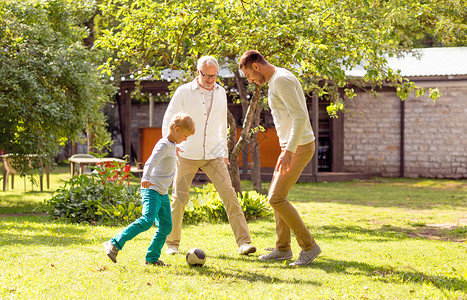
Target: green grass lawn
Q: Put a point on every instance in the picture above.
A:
(383, 238)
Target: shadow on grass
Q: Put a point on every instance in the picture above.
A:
(391, 233)
(382, 234)
(40, 230)
(377, 273)
(389, 275)
(234, 274)
(23, 203)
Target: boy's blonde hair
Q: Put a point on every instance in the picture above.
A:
(184, 121)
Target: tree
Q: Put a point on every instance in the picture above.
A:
(315, 39)
(50, 89)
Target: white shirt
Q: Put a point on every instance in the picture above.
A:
(210, 138)
(289, 111)
(208, 101)
(159, 169)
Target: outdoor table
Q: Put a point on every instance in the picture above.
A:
(82, 161)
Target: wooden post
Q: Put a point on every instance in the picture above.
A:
(88, 136)
(402, 146)
(315, 126)
(151, 110)
(41, 180)
(127, 97)
(5, 177)
(337, 143)
(47, 176)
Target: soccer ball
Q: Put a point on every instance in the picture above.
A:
(196, 257)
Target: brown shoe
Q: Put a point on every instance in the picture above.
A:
(111, 251)
(159, 263)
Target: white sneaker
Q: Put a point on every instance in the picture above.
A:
(246, 249)
(306, 257)
(277, 255)
(171, 251)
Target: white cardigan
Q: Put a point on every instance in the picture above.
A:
(210, 138)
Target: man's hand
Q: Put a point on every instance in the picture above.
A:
(226, 161)
(146, 184)
(283, 162)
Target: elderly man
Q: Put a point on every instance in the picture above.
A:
(288, 108)
(206, 102)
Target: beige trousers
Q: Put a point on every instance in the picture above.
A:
(287, 217)
(217, 172)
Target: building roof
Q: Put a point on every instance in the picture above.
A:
(448, 61)
(444, 61)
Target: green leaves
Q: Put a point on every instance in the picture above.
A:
(50, 87)
(207, 206)
(315, 39)
(254, 205)
(94, 199)
(434, 94)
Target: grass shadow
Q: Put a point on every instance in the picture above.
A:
(387, 233)
(389, 275)
(23, 203)
(377, 273)
(233, 274)
(40, 230)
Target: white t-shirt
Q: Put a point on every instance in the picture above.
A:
(159, 169)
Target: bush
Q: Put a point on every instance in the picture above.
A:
(254, 205)
(207, 206)
(93, 199)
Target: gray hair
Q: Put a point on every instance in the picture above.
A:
(207, 61)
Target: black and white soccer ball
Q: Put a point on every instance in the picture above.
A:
(196, 257)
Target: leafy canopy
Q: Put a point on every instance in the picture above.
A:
(50, 88)
(316, 39)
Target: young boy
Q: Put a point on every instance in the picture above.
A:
(158, 174)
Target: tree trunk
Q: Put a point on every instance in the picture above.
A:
(255, 171)
(249, 115)
(247, 123)
(236, 148)
(242, 92)
(89, 40)
(233, 167)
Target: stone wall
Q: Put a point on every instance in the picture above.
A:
(435, 133)
(372, 134)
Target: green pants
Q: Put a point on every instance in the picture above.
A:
(156, 207)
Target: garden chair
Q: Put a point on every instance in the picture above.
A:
(125, 175)
(9, 170)
(110, 169)
(113, 169)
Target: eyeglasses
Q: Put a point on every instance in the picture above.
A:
(208, 76)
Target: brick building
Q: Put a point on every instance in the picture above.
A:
(377, 135)
(415, 137)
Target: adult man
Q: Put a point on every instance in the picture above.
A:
(206, 102)
(288, 107)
